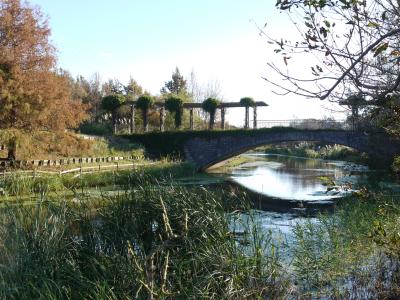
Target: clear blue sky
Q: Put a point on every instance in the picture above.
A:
(148, 39)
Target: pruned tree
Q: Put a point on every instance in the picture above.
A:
(210, 105)
(111, 104)
(175, 105)
(247, 102)
(353, 47)
(144, 103)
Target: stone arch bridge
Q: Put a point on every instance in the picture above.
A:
(205, 152)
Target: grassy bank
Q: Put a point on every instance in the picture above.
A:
(162, 171)
(54, 145)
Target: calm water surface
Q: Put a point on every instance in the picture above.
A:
(293, 178)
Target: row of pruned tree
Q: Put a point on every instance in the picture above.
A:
(115, 95)
(172, 103)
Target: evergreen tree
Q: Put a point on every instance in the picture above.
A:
(177, 85)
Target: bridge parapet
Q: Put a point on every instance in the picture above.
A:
(315, 124)
(312, 124)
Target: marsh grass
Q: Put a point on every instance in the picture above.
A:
(338, 256)
(153, 239)
(146, 243)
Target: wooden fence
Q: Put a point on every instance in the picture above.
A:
(80, 170)
(62, 162)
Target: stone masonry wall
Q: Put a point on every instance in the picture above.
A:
(205, 152)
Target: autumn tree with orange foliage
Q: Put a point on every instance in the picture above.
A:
(34, 95)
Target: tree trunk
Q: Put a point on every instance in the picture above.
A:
(255, 117)
(191, 119)
(212, 120)
(114, 122)
(12, 149)
(222, 118)
(246, 118)
(162, 118)
(178, 119)
(145, 121)
(132, 121)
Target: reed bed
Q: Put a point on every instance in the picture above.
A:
(156, 240)
(169, 243)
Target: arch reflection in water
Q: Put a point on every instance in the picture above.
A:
(289, 177)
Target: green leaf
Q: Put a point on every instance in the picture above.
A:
(308, 25)
(373, 25)
(381, 48)
(327, 23)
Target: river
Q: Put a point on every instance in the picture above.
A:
(287, 180)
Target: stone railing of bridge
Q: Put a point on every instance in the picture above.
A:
(311, 124)
(314, 124)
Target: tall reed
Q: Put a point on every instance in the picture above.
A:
(146, 243)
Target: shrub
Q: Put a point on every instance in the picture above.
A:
(95, 128)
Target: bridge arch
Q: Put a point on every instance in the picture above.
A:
(206, 152)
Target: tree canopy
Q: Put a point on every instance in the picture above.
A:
(145, 102)
(133, 89)
(33, 93)
(177, 85)
(247, 101)
(111, 103)
(353, 48)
